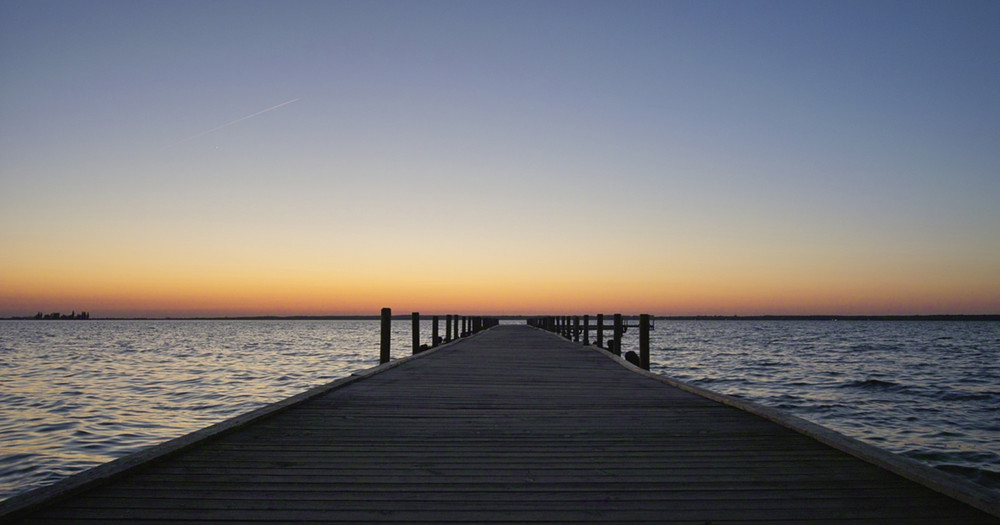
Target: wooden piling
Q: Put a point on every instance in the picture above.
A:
(644, 322)
(435, 340)
(586, 330)
(447, 327)
(386, 336)
(576, 328)
(415, 320)
(600, 330)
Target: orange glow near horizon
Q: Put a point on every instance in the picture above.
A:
(256, 292)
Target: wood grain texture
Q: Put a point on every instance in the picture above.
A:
(512, 425)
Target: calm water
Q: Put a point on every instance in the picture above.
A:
(77, 394)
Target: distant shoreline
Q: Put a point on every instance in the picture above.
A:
(934, 317)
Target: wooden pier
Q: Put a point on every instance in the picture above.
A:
(513, 424)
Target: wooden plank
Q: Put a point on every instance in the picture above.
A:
(510, 425)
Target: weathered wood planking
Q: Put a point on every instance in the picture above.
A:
(512, 425)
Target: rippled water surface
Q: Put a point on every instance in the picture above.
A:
(928, 390)
(77, 394)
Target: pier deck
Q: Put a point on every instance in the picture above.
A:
(511, 425)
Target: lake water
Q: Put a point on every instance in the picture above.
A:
(74, 394)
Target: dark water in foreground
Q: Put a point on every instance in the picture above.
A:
(77, 394)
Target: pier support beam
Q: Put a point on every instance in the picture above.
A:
(386, 336)
(415, 320)
(644, 321)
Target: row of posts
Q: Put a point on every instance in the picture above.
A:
(452, 323)
(575, 327)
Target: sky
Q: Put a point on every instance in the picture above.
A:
(179, 158)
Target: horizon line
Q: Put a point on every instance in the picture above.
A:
(751, 317)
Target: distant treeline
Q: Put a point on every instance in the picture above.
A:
(57, 315)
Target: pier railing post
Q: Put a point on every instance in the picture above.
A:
(586, 329)
(383, 356)
(576, 328)
(600, 330)
(415, 320)
(644, 341)
(447, 327)
(619, 330)
(435, 340)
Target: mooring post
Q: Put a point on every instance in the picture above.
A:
(619, 330)
(586, 329)
(600, 330)
(415, 320)
(383, 356)
(435, 340)
(644, 322)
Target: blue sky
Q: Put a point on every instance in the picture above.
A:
(804, 156)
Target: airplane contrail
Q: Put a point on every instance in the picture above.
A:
(241, 119)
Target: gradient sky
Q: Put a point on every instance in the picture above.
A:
(674, 157)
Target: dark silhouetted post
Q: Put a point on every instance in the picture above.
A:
(619, 330)
(447, 327)
(383, 356)
(415, 319)
(600, 330)
(586, 329)
(576, 328)
(644, 320)
(435, 340)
